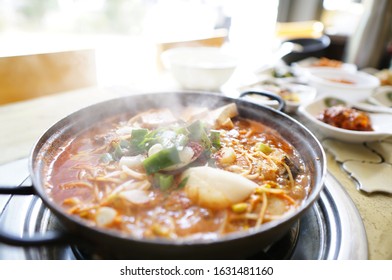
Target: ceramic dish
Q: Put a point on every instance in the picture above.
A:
(312, 63)
(380, 123)
(353, 87)
(201, 68)
(293, 94)
(382, 96)
(384, 75)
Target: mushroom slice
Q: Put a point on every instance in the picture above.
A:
(216, 188)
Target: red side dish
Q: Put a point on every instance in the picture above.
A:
(346, 118)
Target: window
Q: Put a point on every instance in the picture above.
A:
(124, 31)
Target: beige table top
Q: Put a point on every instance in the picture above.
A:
(22, 123)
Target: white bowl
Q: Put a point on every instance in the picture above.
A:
(380, 124)
(305, 95)
(199, 68)
(310, 64)
(357, 87)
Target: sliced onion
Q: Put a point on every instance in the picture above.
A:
(155, 149)
(105, 216)
(136, 196)
(186, 156)
(125, 130)
(132, 161)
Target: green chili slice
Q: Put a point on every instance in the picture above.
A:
(106, 158)
(138, 138)
(198, 133)
(160, 160)
(215, 138)
(163, 181)
(117, 152)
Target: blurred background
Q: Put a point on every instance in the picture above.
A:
(127, 36)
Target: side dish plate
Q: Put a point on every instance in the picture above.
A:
(380, 123)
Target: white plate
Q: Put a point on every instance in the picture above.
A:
(381, 124)
(305, 94)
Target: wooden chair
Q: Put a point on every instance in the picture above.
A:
(30, 76)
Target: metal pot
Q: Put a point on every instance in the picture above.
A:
(117, 246)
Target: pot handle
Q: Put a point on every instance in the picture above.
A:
(270, 95)
(49, 238)
(21, 190)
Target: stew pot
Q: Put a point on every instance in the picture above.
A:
(116, 246)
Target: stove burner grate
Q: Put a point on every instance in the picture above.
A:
(283, 249)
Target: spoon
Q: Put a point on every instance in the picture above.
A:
(372, 108)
